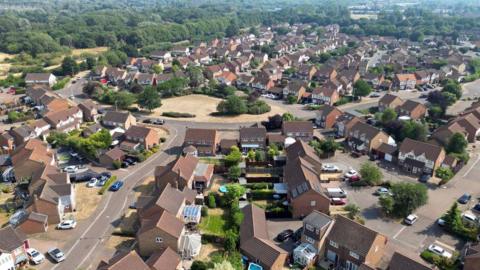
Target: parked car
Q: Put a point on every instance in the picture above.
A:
(130, 161)
(329, 168)
(73, 154)
(476, 208)
(125, 164)
(116, 186)
(147, 121)
(101, 182)
(34, 256)
(336, 193)
(383, 191)
(338, 201)
(464, 199)
(93, 182)
(470, 217)
(375, 95)
(410, 219)
(424, 178)
(70, 169)
(284, 235)
(441, 222)
(56, 254)
(106, 174)
(351, 173)
(354, 178)
(158, 121)
(67, 224)
(439, 251)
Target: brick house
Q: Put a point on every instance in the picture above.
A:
(255, 243)
(205, 140)
(296, 89)
(389, 101)
(405, 81)
(325, 95)
(400, 262)
(166, 259)
(350, 244)
(327, 116)
(65, 120)
(471, 257)
(316, 227)
(124, 260)
(365, 138)
(40, 78)
(119, 119)
(13, 247)
(253, 138)
(300, 130)
(111, 156)
(419, 157)
(302, 176)
(144, 137)
(415, 110)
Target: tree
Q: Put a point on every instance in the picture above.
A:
(444, 173)
(234, 105)
(371, 174)
(251, 155)
(292, 99)
(260, 156)
(324, 57)
(388, 115)
(234, 192)
(123, 99)
(157, 69)
(199, 265)
(453, 218)
(407, 197)
(234, 172)
(387, 204)
(288, 117)
(211, 200)
(453, 88)
(149, 99)
(361, 88)
(234, 157)
(69, 66)
(353, 210)
(457, 144)
(224, 265)
(414, 130)
(417, 36)
(91, 62)
(272, 151)
(195, 74)
(232, 29)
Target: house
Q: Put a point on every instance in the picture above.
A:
(145, 137)
(92, 129)
(254, 241)
(366, 139)
(350, 244)
(40, 127)
(327, 116)
(316, 227)
(419, 157)
(65, 120)
(252, 138)
(225, 145)
(13, 247)
(405, 81)
(467, 125)
(325, 95)
(302, 177)
(413, 109)
(389, 101)
(34, 223)
(306, 72)
(295, 88)
(262, 82)
(22, 134)
(40, 78)
(124, 260)
(119, 119)
(164, 56)
(166, 259)
(299, 130)
(226, 78)
(7, 142)
(112, 156)
(400, 262)
(423, 77)
(325, 73)
(471, 257)
(205, 140)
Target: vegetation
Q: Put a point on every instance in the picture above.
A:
(107, 185)
(406, 197)
(457, 147)
(455, 225)
(444, 173)
(361, 88)
(88, 146)
(234, 157)
(178, 115)
(325, 148)
(441, 262)
(388, 115)
(371, 174)
(61, 83)
(149, 99)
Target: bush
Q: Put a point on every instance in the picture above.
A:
(107, 185)
(116, 164)
(261, 185)
(445, 174)
(211, 201)
(371, 174)
(61, 83)
(262, 194)
(204, 211)
(6, 188)
(178, 115)
(210, 238)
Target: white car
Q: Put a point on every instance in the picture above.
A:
(56, 255)
(93, 182)
(351, 173)
(329, 168)
(67, 224)
(35, 256)
(439, 251)
(410, 219)
(383, 191)
(469, 217)
(70, 169)
(72, 153)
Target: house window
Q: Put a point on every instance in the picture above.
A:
(158, 239)
(354, 255)
(309, 227)
(333, 244)
(310, 240)
(313, 203)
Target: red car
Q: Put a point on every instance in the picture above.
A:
(354, 178)
(338, 201)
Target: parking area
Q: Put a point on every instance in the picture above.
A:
(276, 226)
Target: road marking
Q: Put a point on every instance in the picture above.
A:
(473, 165)
(399, 232)
(108, 202)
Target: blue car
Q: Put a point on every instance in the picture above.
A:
(116, 186)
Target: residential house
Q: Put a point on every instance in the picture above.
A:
(92, 129)
(300, 130)
(112, 156)
(252, 138)
(7, 142)
(166, 259)
(316, 227)
(327, 116)
(423, 77)
(13, 245)
(400, 262)
(325, 73)
(389, 101)
(65, 120)
(350, 244)
(262, 82)
(123, 120)
(413, 109)
(373, 79)
(471, 257)
(33, 223)
(325, 95)
(420, 157)
(142, 137)
(405, 81)
(254, 241)
(40, 78)
(302, 176)
(467, 125)
(295, 88)
(22, 134)
(40, 127)
(365, 138)
(306, 72)
(164, 56)
(124, 260)
(226, 78)
(205, 140)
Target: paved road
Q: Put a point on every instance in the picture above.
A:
(91, 233)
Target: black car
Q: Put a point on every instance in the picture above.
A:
(283, 236)
(424, 178)
(130, 161)
(125, 164)
(106, 174)
(464, 198)
(476, 208)
(147, 121)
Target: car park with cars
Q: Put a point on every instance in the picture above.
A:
(92, 183)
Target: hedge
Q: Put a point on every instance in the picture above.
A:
(262, 194)
(178, 115)
(210, 238)
(107, 184)
(441, 262)
(261, 185)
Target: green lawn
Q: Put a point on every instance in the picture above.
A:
(209, 160)
(213, 224)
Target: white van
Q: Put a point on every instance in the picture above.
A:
(336, 193)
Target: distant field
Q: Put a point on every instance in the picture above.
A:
(363, 16)
(97, 50)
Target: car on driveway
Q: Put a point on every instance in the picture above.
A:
(116, 186)
(410, 219)
(383, 191)
(70, 169)
(92, 182)
(436, 249)
(375, 95)
(284, 235)
(351, 173)
(329, 168)
(470, 218)
(130, 161)
(56, 254)
(476, 208)
(35, 256)
(125, 164)
(464, 199)
(338, 201)
(67, 224)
